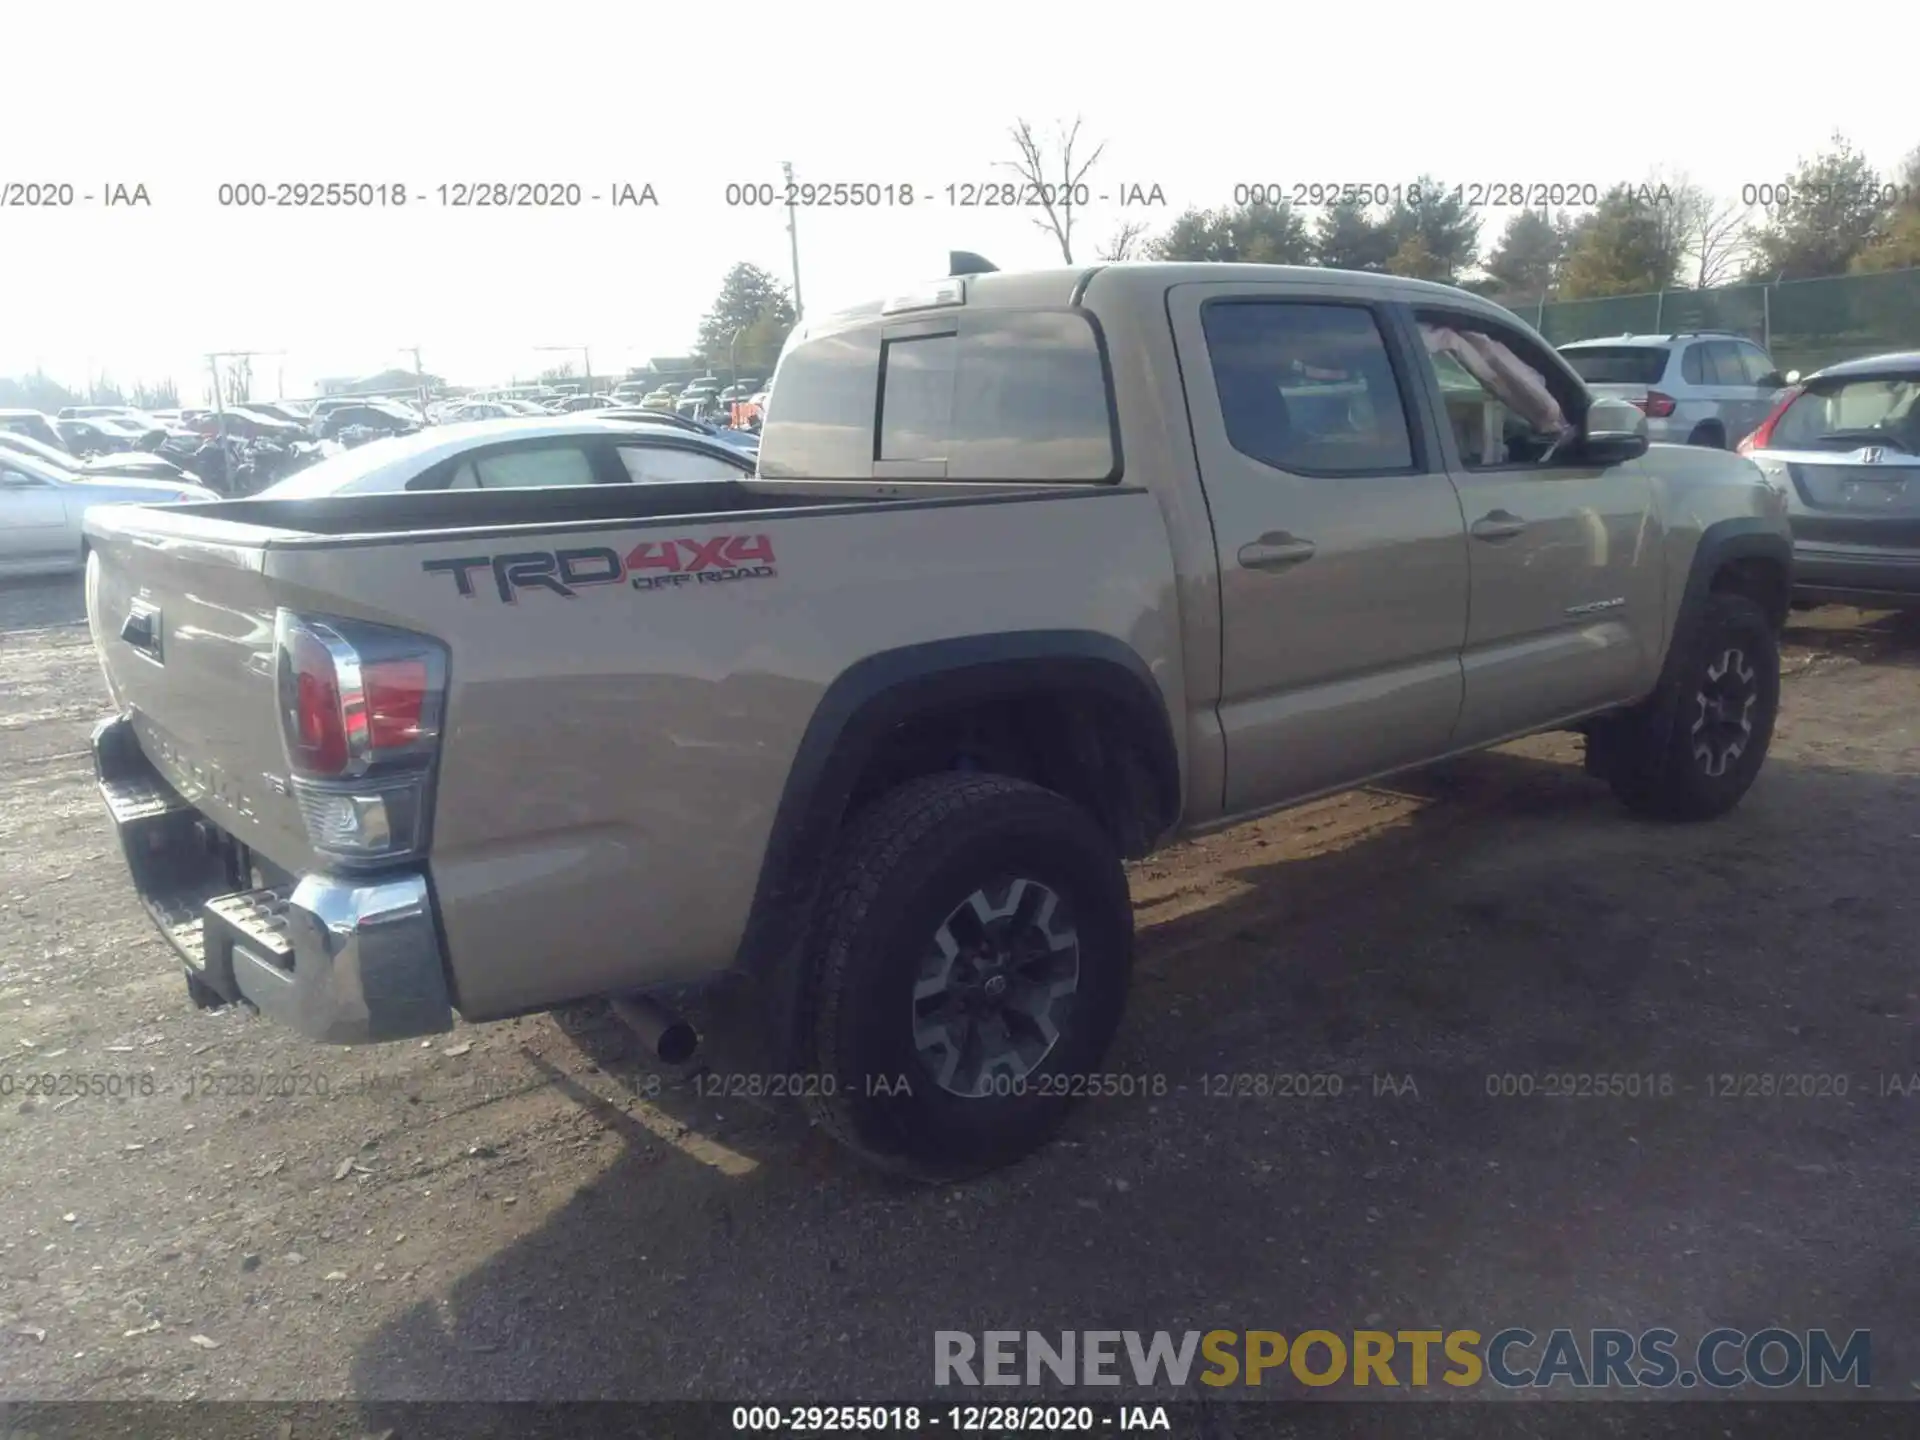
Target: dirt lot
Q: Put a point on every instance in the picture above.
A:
(521, 1211)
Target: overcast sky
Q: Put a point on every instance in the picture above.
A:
(182, 98)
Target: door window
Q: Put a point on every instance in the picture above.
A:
(1307, 387)
(1505, 404)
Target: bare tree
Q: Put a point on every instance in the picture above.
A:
(1056, 198)
(239, 380)
(1717, 242)
(1702, 233)
(1126, 243)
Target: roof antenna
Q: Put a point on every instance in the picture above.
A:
(965, 262)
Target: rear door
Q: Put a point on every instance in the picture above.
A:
(1567, 609)
(1342, 555)
(1730, 383)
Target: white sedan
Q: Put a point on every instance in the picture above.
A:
(519, 455)
(41, 507)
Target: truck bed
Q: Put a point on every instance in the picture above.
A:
(408, 515)
(631, 670)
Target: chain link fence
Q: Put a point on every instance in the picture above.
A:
(1803, 324)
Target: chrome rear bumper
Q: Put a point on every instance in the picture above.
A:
(343, 960)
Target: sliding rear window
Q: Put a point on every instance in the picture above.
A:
(990, 396)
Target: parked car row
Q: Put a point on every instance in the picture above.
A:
(707, 399)
(1705, 387)
(233, 452)
(1841, 446)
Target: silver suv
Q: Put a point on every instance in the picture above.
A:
(1707, 387)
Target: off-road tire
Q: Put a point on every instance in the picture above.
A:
(899, 870)
(1653, 766)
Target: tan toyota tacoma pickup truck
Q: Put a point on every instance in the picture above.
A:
(1039, 572)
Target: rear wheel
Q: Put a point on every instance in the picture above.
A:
(1723, 698)
(969, 960)
(1709, 433)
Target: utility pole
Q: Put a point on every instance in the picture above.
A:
(220, 406)
(418, 374)
(793, 234)
(213, 364)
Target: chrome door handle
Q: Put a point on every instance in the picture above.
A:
(1498, 525)
(1275, 550)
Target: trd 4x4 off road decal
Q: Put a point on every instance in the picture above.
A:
(650, 565)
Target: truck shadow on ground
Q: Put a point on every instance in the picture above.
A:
(1509, 922)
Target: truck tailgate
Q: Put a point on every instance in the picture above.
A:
(184, 629)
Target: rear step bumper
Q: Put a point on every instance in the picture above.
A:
(346, 961)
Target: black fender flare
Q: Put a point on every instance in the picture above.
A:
(1745, 537)
(867, 703)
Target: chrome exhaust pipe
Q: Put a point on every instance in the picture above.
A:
(671, 1039)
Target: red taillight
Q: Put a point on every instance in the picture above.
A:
(1656, 405)
(396, 697)
(1763, 437)
(360, 713)
(318, 738)
(349, 709)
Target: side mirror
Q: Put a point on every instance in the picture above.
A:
(1774, 380)
(1793, 377)
(1614, 432)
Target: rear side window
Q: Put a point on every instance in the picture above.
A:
(1723, 364)
(1759, 369)
(1306, 387)
(1002, 395)
(515, 470)
(1622, 364)
(530, 469)
(647, 464)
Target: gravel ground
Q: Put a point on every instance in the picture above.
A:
(521, 1211)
